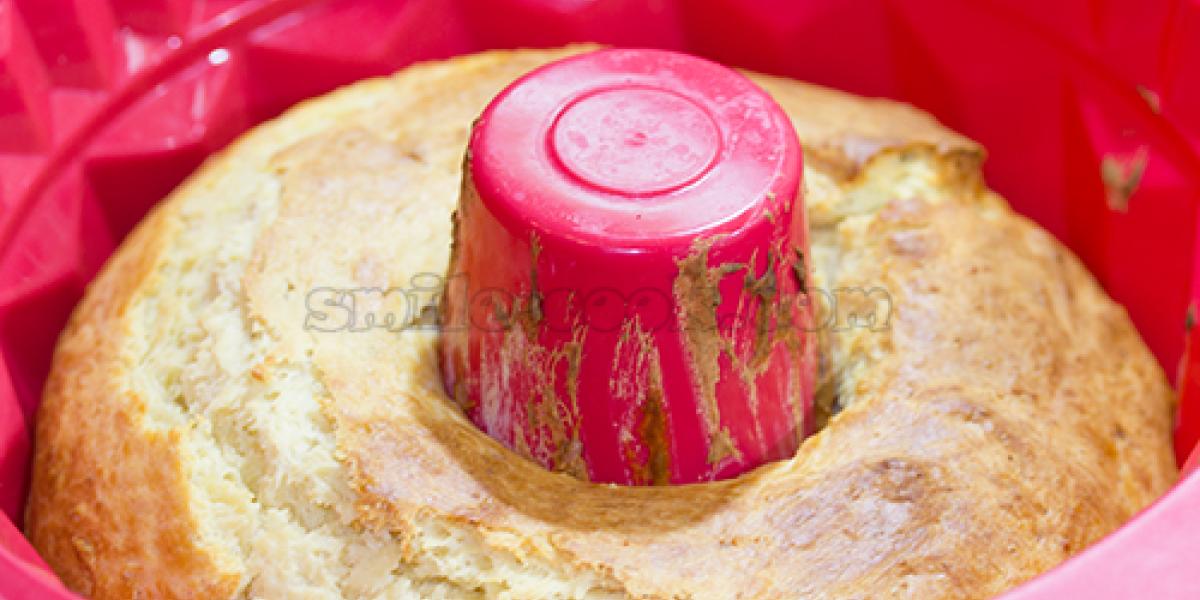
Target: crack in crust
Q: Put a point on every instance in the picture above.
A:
(197, 441)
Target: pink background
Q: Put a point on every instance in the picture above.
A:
(106, 105)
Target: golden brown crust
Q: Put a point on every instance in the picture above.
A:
(1008, 416)
(101, 475)
(841, 131)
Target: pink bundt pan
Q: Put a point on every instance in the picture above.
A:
(105, 105)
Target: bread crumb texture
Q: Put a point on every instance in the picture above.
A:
(994, 415)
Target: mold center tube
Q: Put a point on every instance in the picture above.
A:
(625, 300)
(635, 141)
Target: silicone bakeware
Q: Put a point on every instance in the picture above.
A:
(612, 180)
(1090, 110)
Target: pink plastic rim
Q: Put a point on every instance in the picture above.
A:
(662, 141)
(1092, 80)
(591, 183)
(528, 162)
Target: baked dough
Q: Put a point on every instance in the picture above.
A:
(197, 440)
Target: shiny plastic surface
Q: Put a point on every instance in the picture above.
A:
(627, 297)
(1090, 110)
